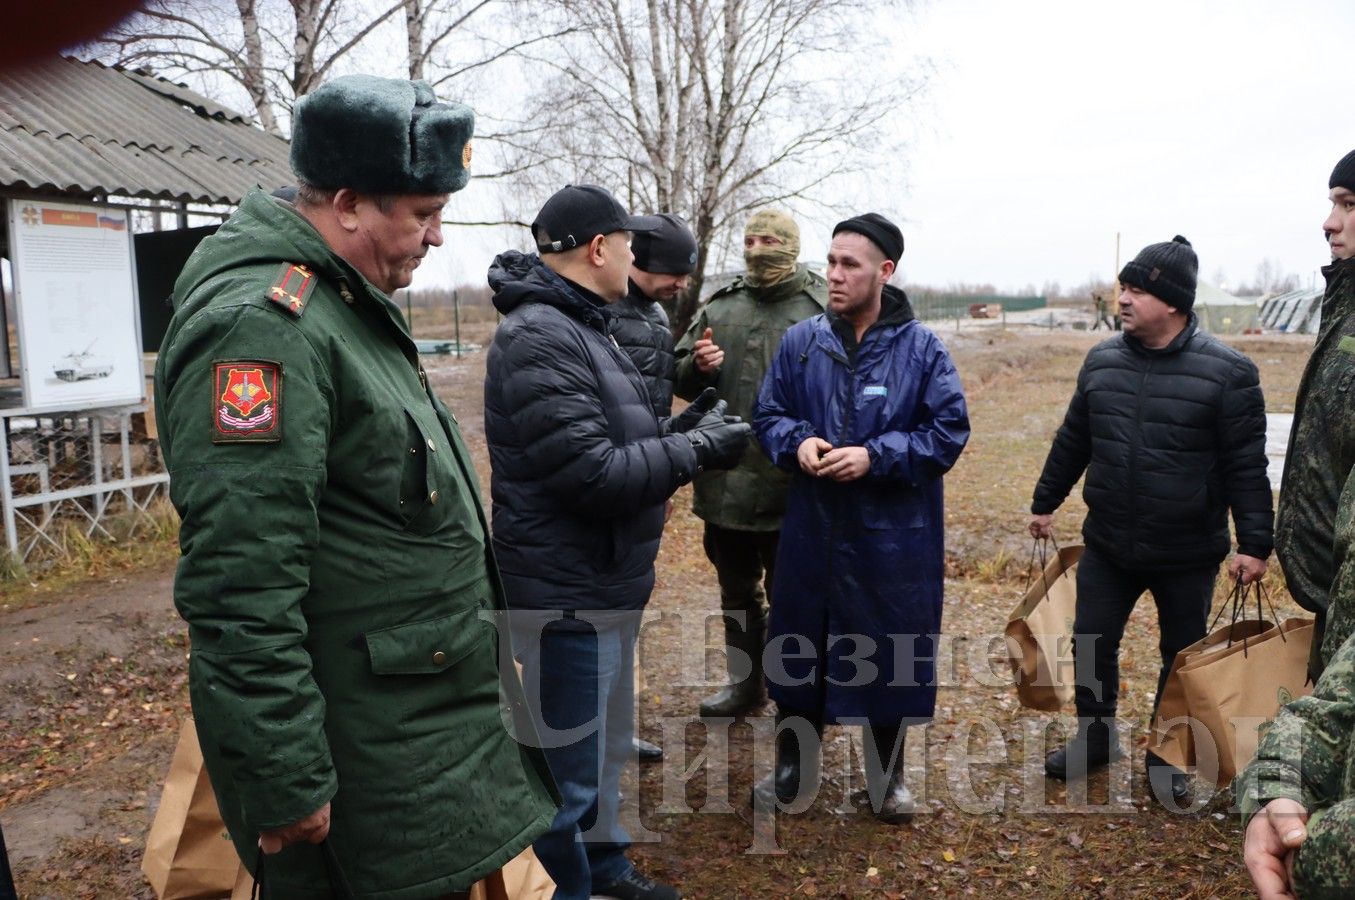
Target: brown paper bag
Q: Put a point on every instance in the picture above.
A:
(1234, 694)
(189, 856)
(1039, 635)
(1173, 740)
(523, 878)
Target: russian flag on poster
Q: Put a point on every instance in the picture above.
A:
(117, 223)
(69, 217)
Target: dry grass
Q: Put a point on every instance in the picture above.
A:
(138, 540)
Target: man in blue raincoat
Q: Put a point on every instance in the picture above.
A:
(864, 405)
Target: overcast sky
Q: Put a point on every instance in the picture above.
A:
(1059, 123)
(1050, 125)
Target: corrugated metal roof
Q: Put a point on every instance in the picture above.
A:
(83, 128)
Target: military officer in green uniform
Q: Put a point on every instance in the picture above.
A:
(729, 347)
(356, 709)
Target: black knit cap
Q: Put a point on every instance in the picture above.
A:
(880, 231)
(668, 250)
(1344, 173)
(1167, 271)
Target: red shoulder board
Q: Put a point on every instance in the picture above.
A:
(291, 288)
(246, 401)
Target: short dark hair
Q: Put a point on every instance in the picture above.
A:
(311, 196)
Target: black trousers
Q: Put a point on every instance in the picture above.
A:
(1106, 594)
(743, 562)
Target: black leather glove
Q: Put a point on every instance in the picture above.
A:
(697, 410)
(719, 442)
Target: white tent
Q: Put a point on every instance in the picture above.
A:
(1222, 313)
(1296, 312)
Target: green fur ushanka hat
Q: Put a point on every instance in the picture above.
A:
(381, 136)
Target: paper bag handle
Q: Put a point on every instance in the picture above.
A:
(1040, 546)
(1237, 602)
(338, 884)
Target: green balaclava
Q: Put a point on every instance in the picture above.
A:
(771, 265)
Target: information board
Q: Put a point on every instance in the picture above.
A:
(75, 301)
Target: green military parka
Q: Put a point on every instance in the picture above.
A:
(747, 323)
(335, 576)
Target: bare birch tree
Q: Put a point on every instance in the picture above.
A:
(711, 108)
(277, 50)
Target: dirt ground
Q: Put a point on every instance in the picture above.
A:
(92, 687)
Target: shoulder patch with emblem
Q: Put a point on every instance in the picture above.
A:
(246, 401)
(291, 287)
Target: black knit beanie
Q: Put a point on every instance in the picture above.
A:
(1344, 173)
(878, 230)
(1167, 271)
(668, 250)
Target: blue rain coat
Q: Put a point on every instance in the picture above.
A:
(856, 603)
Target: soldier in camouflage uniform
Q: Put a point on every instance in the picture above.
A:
(730, 346)
(1298, 795)
(1315, 523)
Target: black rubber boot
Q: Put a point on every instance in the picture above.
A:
(647, 752)
(796, 763)
(890, 800)
(1165, 780)
(1096, 746)
(745, 691)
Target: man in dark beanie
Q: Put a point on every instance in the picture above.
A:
(1318, 566)
(1169, 425)
(350, 697)
(863, 409)
(1297, 796)
(729, 347)
(664, 261)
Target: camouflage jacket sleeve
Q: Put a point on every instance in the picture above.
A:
(1303, 755)
(688, 382)
(249, 502)
(1339, 622)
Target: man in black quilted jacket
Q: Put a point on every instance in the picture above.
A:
(664, 261)
(581, 471)
(1169, 424)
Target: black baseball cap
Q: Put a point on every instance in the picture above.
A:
(577, 213)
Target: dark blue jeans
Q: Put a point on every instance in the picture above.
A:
(580, 689)
(1106, 594)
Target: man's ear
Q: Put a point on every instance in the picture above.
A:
(345, 206)
(887, 270)
(596, 255)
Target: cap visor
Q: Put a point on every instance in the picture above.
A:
(643, 223)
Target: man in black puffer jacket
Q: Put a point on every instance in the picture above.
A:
(664, 261)
(1169, 424)
(581, 471)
